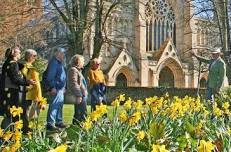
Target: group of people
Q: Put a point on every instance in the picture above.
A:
(21, 87)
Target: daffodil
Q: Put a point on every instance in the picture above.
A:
(15, 147)
(29, 134)
(226, 105)
(229, 131)
(42, 103)
(123, 116)
(87, 124)
(155, 110)
(6, 149)
(138, 104)
(1, 132)
(128, 104)
(205, 146)
(32, 125)
(7, 135)
(17, 135)
(134, 118)
(140, 135)
(217, 112)
(159, 148)
(101, 109)
(16, 111)
(19, 124)
(115, 103)
(61, 148)
(121, 97)
(95, 115)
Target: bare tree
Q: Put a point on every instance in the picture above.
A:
(21, 24)
(84, 19)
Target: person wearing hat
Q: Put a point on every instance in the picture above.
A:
(56, 81)
(217, 73)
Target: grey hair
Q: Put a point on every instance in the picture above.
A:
(28, 53)
(75, 58)
(60, 49)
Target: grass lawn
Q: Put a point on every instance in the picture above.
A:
(68, 112)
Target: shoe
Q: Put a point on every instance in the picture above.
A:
(52, 128)
(61, 125)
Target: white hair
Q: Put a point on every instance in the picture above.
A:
(75, 58)
(29, 52)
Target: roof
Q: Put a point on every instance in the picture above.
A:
(158, 54)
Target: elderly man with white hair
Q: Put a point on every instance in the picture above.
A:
(56, 81)
(217, 73)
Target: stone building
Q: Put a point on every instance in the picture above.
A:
(153, 44)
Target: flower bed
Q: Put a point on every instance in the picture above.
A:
(157, 124)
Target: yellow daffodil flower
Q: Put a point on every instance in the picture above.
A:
(29, 134)
(16, 111)
(138, 104)
(61, 148)
(123, 116)
(128, 104)
(134, 118)
(205, 146)
(121, 97)
(159, 148)
(115, 103)
(140, 135)
(7, 135)
(17, 135)
(19, 124)
(1, 132)
(226, 105)
(87, 124)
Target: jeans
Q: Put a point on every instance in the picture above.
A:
(210, 94)
(55, 110)
(80, 111)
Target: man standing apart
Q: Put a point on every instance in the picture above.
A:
(217, 73)
(56, 80)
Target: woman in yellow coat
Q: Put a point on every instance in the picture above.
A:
(34, 100)
(97, 84)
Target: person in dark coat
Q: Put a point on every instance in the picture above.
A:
(13, 80)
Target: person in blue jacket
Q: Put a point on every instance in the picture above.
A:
(56, 81)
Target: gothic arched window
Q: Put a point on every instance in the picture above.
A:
(160, 24)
